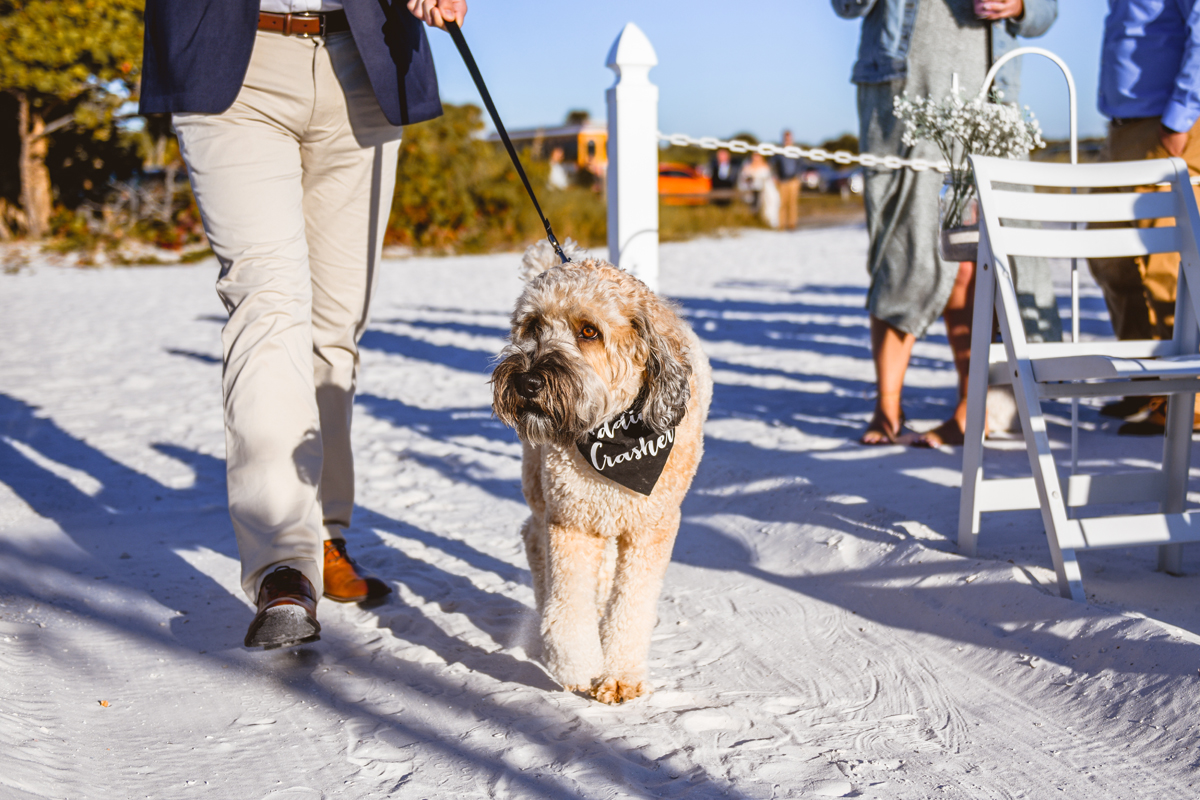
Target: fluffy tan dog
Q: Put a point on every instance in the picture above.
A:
(608, 389)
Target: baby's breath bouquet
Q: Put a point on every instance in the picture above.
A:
(964, 127)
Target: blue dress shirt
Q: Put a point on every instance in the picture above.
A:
(1150, 61)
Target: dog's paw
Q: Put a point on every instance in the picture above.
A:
(578, 688)
(616, 690)
(573, 677)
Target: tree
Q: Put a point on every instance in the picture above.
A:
(65, 62)
(847, 142)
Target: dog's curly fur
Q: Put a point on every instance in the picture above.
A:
(597, 550)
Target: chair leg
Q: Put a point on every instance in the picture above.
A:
(1170, 559)
(1037, 440)
(1066, 569)
(1177, 456)
(977, 386)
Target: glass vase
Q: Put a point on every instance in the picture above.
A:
(958, 218)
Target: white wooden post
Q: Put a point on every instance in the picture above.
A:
(633, 157)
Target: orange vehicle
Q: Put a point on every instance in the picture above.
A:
(682, 185)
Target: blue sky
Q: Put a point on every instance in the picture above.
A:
(723, 66)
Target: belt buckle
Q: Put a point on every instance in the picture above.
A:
(320, 18)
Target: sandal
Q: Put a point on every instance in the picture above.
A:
(879, 425)
(948, 433)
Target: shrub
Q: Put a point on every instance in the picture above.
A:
(456, 192)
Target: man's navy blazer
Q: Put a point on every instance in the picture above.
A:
(197, 51)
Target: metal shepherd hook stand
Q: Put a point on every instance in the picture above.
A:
(987, 83)
(461, 43)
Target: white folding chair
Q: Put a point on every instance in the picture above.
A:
(1043, 371)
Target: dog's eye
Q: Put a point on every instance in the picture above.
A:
(588, 331)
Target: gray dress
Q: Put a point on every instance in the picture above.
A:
(910, 283)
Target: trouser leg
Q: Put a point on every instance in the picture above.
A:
(272, 430)
(245, 168)
(1148, 311)
(349, 156)
(789, 198)
(1121, 282)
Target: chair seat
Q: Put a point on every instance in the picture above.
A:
(1098, 367)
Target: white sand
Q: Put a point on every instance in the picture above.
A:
(818, 635)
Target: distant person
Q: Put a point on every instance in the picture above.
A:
(1150, 91)
(787, 172)
(757, 184)
(724, 176)
(599, 172)
(558, 172)
(915, 47)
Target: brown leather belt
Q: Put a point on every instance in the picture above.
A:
(312, 24)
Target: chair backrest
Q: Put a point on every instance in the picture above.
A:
(1007, 195)
(1069, 223)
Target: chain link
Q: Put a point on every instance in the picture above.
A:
(816, 154)
(812, 154)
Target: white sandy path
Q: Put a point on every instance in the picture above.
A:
(818, 635)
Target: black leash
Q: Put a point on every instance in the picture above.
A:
(469, 60)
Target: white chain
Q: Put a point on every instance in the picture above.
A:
(814, 154)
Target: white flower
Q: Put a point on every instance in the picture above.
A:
(964, 127)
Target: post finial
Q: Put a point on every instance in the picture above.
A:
(631, 49)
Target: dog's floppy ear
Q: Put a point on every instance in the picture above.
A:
(540, 256)
(667, 369)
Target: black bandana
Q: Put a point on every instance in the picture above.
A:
(628, 451)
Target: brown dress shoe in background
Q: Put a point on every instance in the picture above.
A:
(1129, 406)
(287, 611)
(1155, 422)
(345, 580)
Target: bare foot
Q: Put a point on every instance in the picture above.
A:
(948, 433)
(881, 430)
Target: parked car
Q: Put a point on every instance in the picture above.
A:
(848, 182)
(681, 184)
(817, 177)
(824, 178)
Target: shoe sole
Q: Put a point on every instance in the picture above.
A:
(283, 626)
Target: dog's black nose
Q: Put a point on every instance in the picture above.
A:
(528, 384)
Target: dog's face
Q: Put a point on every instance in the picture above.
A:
(586, 340)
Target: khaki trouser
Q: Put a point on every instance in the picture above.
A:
(789, 203)
(294, 183)
(1140, 292)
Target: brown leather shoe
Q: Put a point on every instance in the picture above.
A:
(1129, 406)
(287, 611)
(345, 580)
(1155, 422)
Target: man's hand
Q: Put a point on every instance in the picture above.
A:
(437, 12)
(1172, 141)
(999, 9)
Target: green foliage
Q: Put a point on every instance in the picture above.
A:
(82, 165)
(67, 63)
(122, 220)
(847, 142)
(455, 191)
(63, 49)
(680, 223)
(679, 154)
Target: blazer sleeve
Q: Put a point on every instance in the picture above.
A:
(1038, 17)
(852, 9)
